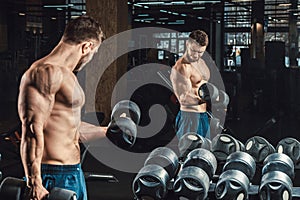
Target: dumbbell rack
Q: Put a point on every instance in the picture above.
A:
(253, 192)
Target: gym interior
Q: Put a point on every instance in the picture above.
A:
(254, 45)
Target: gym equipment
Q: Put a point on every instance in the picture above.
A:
(223, 99)
(193, 180)
(151, 183)
(127, 107)
(16, 189)
(291, 147)
(191, 141)
(208, 92)
(259, 148)
(153, 180)
(122, 130)
(202, 158)
(279, 162)
(164, 157)
(277, 175)
(223, 145)
(234, 181)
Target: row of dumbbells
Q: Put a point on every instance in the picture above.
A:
(194, 174)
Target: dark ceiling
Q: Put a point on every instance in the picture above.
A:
(237, 13)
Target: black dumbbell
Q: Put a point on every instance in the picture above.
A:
(259, 148)
(208, 92)
(277, 175)
(122, 130)
(291, 147)
(223, 101)
(223, 145)
(193, 180)
(191, 141)
(164, 157)
(15, 189)
(153, 180)
(234, 181)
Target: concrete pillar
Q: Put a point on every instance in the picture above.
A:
(257, 31)
(113, 16)
(293, 35)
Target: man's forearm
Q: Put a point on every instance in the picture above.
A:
(91, 132)
(32, 152)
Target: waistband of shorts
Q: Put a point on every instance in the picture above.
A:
(60, 168)
(196, 113)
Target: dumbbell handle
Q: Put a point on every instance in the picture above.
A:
(213, 117)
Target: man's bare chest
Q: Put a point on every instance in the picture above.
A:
(71, 94)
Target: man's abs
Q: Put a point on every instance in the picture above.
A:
(61, 138)
(60, 150)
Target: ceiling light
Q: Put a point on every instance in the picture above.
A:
(58, 6)
(198, 8)
(177, 22)
(143, 15)
(148, 19)
(151, 3)
(202, 2)
(137, 5)
(21, 14)
(178, 2)
(284, 4)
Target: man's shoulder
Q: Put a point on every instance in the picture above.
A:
(46, 77)
(44, 70)
(181, 66)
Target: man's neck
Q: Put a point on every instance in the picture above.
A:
(185, 60)
(64, 55)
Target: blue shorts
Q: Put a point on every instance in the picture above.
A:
(65, 176)
(192, 122)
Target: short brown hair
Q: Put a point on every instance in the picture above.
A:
(200, 37)
(81, 29)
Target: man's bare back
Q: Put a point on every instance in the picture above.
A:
(63, 108)
(49, 106)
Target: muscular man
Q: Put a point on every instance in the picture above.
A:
(187, 75)
(49, 106)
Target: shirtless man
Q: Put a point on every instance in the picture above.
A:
(49, 106)
(187, 75)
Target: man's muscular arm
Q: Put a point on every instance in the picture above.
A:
(90, 132)
(182, 86)
(36, 99)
